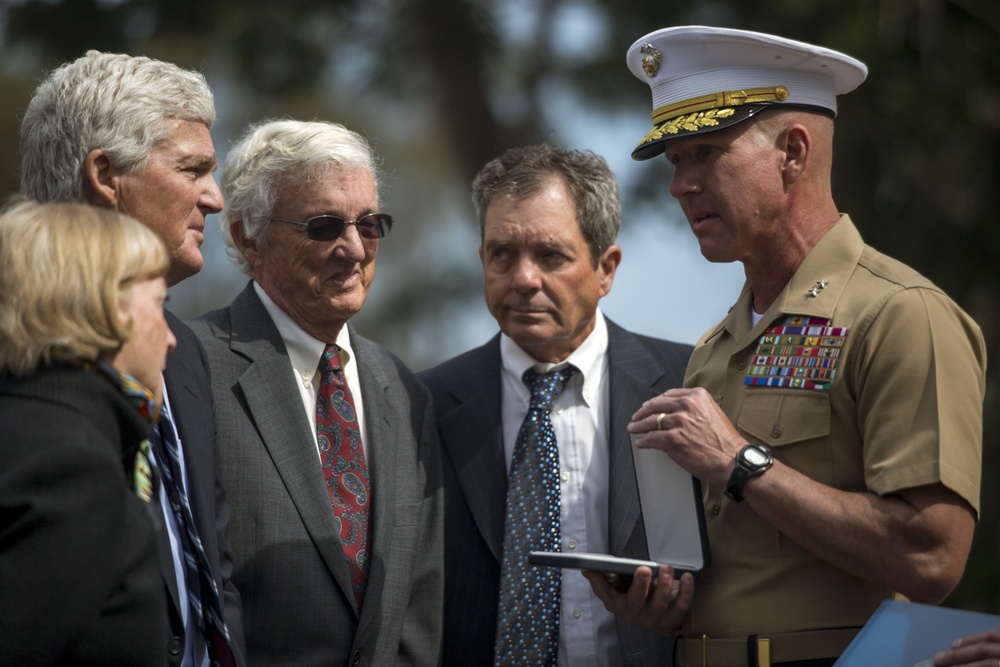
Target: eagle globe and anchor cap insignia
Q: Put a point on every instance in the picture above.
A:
(651, 60)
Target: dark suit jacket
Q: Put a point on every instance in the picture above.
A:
(467, 393)
(79, 576)
(189, 390)
(299, 607)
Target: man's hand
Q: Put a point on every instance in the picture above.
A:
(982, 650)
(691, 428)
(657, 606)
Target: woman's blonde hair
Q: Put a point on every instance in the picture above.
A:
(64, 269)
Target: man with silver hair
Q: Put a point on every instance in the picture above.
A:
(327, 441)
(132, 134)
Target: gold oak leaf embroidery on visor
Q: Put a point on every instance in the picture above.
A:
(691, 122)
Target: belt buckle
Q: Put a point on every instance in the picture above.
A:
(763, 652)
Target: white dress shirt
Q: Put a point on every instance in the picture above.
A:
(581, 418)
(304, 354)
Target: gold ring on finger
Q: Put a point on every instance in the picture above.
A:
(659, 421)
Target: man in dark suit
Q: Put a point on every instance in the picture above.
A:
(132, 134)
(548, 221)
(327, 441)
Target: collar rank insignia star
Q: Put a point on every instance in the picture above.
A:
(817, 288)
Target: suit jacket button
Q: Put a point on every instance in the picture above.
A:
(175, 646)
(175, 501)
(356, 659)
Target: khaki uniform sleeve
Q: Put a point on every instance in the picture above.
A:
(920, 383)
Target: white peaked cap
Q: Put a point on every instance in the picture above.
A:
(705, 79)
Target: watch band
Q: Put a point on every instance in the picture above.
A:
(760, 459)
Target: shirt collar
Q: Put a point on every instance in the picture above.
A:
(303, 350)
(590, 359)
(816, 285)
(813, 290)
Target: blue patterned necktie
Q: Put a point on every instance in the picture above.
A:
(343, 456)
(203, 592)
(528, 613)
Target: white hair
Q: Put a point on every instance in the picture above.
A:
(119, 103)
(268, 155)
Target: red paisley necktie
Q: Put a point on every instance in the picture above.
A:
(344, 467)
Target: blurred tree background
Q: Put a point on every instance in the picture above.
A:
(441, 86)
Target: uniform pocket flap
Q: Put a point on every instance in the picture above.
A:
(779, 417)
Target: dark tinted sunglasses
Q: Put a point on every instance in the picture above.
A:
(329, 227)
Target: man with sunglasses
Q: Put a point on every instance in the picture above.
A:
(327, 441)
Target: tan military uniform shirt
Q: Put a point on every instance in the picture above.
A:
(883, 392)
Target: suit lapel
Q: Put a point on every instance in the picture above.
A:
(274, 405)
(383, 468)
(175, 375)
(166, 554)
(632, 381)
(472, 433)
(190, 397)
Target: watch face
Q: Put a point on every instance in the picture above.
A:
(755, 457)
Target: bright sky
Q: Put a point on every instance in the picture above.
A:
(665, 288)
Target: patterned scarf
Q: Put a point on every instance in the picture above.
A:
(136, 460)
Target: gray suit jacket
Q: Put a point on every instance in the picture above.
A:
(467, 394)
(298, 603)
